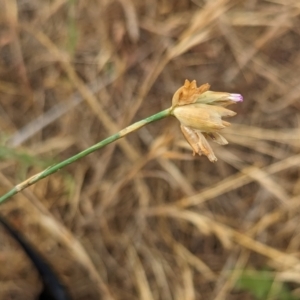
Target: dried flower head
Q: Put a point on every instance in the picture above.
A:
(200, 113)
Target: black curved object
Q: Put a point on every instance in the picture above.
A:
(53, 288)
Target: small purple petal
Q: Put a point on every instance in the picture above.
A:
(236, 97)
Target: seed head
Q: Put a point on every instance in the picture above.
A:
(200, 113)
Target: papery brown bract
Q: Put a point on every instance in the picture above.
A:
(188, 93)
(200, 113)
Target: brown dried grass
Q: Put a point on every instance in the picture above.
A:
(143, 219)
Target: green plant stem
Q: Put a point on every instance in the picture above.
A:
(57, 167)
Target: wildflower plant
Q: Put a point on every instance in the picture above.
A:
(199, 112)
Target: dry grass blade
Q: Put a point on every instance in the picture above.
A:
(227, 235)
(140, 276)
(195, 261)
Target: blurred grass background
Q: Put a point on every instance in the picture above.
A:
(143, 218)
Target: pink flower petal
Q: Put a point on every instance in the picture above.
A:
(236, 97)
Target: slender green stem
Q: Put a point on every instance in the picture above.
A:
(57, 167)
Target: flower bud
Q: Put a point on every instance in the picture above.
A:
(200, 113)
